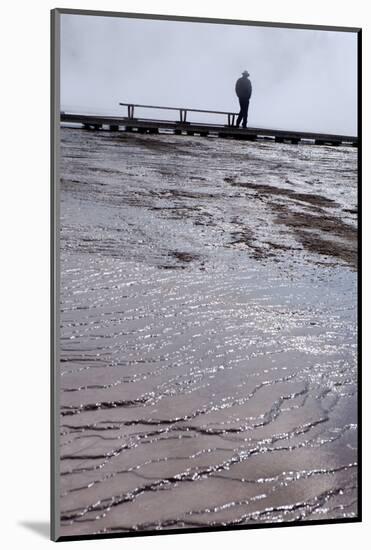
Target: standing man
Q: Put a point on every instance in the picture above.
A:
(243, 91)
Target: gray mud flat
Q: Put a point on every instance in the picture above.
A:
(208, 332)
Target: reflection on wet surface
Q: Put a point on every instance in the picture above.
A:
(208, 332)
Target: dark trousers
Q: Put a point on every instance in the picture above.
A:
(244, 105)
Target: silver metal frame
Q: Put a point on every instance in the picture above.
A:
(55, 273)
(55, 262)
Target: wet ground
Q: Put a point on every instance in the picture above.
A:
(208, 332)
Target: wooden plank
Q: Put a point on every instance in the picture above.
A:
(278, 135)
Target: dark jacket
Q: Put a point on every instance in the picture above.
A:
(243, 88)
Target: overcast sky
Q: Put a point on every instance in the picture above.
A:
(301, 79)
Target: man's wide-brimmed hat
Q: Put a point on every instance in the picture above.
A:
(246, 73)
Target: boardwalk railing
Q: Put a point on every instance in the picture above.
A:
(231, 117)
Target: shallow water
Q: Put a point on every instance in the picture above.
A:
(208, 332)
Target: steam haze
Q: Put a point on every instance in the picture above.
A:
(302, 79)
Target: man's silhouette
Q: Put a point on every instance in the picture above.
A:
(243, 91)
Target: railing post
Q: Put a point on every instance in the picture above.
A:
(229, 119)
(184, 115)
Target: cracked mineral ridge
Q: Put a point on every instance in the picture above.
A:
(208, 340)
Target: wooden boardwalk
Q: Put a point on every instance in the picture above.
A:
(152, 126)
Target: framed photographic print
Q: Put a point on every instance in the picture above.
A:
(205, 273)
